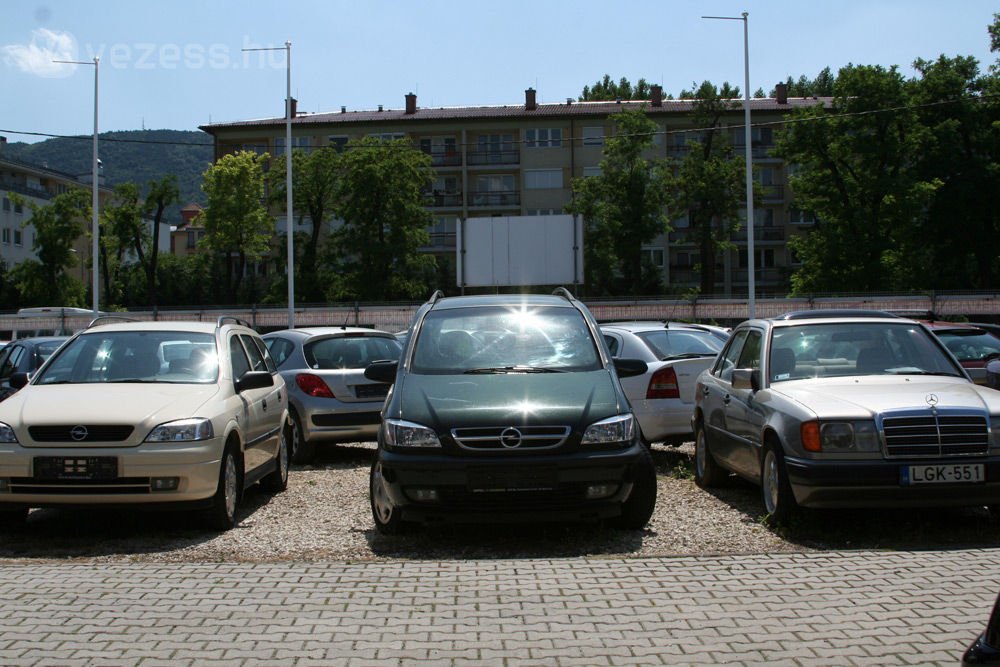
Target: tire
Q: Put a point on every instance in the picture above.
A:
(387, 517)
(303, 451)
(707, 472)
(775, 490)
(277, 481)
(638, 507)
(13, 518)
(222, 513)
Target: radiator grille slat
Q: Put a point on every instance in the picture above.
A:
(503, 437)
(936, 434)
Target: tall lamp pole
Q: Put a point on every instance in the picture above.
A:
(289, 213)
(751, 260)
(95, 226)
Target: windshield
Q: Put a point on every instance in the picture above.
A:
(856, 348)
(505, 339)
(135, 356)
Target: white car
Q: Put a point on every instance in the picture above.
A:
(675, 354)
(185, 414)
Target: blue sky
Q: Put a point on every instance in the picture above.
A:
(180, 64)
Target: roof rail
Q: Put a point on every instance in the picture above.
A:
(564, 293)
(230, 318)
(438, 294)
(116, 318)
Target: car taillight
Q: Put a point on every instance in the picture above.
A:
(313, 385)
(663, 384)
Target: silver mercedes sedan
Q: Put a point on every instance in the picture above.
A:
(846, 410)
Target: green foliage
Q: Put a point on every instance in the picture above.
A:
(238, 227)
(821, 86)
(623, 208)
(380, 198)
(606, 89)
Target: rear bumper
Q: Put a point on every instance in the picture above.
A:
(663, 418)
(500, 489)
(878, 483)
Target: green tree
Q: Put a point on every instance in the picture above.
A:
(857, 169)
(314, 187)
(46, 281)
(160, 195)
(238, 227)
(821, 86)
(606, 89)
(381, 200)
(122, 232)
(623, 208)
(710, 181)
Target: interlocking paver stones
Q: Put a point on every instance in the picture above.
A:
(852, 608)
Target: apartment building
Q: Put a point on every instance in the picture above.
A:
(36, 184)
(521, 159)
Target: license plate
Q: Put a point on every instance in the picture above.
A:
(76, 467)
(489, 480)
(949, 473)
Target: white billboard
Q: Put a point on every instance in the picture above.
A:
(520, 251)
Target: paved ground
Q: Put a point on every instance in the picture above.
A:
(850, 607)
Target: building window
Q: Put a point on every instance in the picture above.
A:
(798, 216)
(543, 179)
(764, 258)
(337, 142)
(593, 136)
(259, 149)
(6, 236)
(17, 237)
(18, 207)
(6, 204)
(388, 136)
(192, 239)
(302, 143)
(546, 137)
(543, 211)
(688, 260)
(653, 256)
(592, 171)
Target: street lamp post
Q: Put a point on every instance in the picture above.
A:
(287, 48)
(95, 226)
(751, 284)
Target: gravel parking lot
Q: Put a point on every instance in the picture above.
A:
(324, 515)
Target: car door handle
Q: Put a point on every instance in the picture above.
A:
(264, 404)
(727, 399)
(705, 392)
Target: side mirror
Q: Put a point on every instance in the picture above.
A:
(992, 374)
(383, 371)
(254, 380)
(746, 378)
(18, 380)
(627, 368)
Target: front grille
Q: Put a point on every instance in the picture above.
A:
(81, 433)
(936, 434)
(511, 437)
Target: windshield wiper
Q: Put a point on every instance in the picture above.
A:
(511, 369)
(688, 355)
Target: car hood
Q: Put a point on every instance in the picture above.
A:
(863, 397)
(143, 405)
(443, 402)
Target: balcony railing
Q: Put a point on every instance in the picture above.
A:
(27, 190)
(512, 156)
(442, 240)
(760, 234)
(770, 192)
(511, 198)
(445, 158)
(684, 237)
(446, 199)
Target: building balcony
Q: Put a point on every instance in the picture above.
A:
(26, 190)
(683, 237)
(445, 158)
(772, 192)
(764, 234)
(445, 199)
(495, 199)
(480, 158)
(441, 241)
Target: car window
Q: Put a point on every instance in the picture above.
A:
(750, 354)
(253, 353)
(612, 343)
(726, 362)
(269, 364)
(350, 352)
(13, 358)
(241, 365)
(44, 350)
(495, 338)
(971, 345)
(666, 343)
(280, 349)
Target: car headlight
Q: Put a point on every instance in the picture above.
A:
(182, 430)
(399, 433)
(7, 433)
(840, 437)
(614, 429)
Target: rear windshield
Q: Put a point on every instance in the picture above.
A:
(669, 343)
(350, 352)
(135, 356)
(460, 340)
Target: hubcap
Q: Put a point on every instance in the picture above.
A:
(699, 454)
(230, 485)
(770, 482)
(380, 499)
(283, 456)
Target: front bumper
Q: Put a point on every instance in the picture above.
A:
(194, 465)
(878, 484)
(499, 489)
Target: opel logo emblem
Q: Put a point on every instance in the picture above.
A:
(931, 399)
(78, 433)
(510, 438)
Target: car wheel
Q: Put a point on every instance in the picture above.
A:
(222, 513)
(776, 491)
(639, 506)
(277, 481)
(303, 451)
(384, 512)
(707, 472)
(13, 518)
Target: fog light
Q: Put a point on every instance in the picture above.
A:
(423, 495)
(165, 483)
(599, 491)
